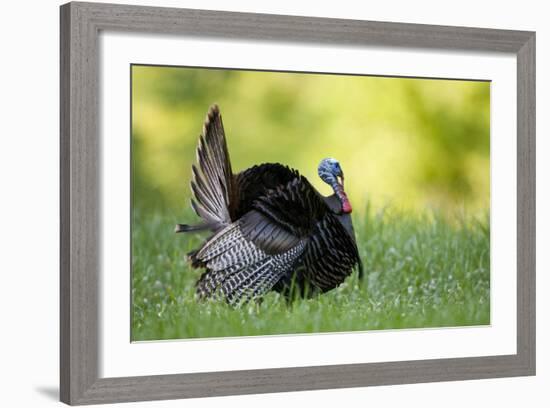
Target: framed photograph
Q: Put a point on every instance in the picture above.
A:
(259, 203)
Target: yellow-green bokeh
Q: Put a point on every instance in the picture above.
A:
(410, 143)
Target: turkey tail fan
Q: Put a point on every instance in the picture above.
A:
(213, 180)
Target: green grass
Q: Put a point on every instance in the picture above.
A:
(420, 271)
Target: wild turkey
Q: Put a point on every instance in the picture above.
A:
(271, 228)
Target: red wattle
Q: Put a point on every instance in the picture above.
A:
(346, 206)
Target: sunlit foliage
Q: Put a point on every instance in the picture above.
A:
(411, 143)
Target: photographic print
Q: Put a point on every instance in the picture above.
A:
(271, 203)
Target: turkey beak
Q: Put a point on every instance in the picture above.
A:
(340, 179)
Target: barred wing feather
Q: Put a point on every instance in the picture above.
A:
(239, 270)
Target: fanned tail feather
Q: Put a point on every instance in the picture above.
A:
(212, 183)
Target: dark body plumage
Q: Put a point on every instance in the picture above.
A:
(271, 228)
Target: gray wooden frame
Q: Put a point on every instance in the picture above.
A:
(80, 234)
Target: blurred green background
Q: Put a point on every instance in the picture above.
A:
(409, 143)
